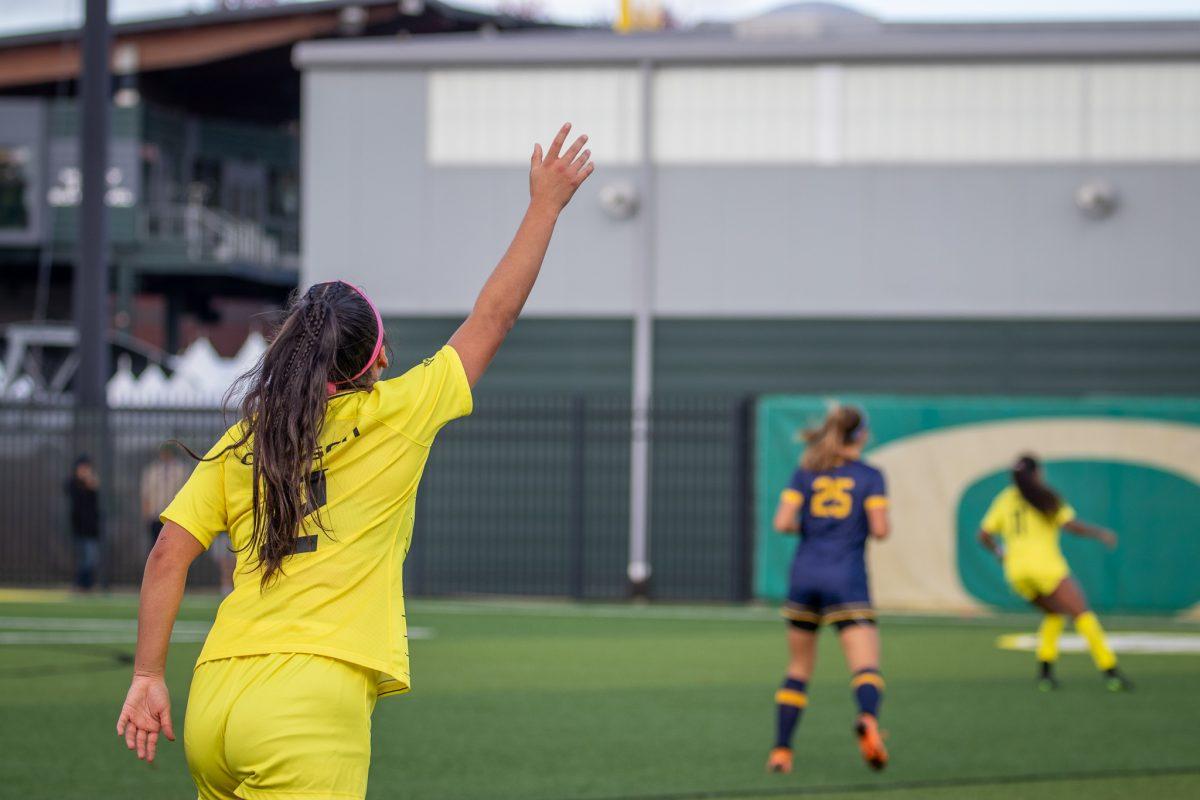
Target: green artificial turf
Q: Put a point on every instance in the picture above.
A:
(561, 702)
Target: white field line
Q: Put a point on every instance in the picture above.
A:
(84, 630)
(1124, 642)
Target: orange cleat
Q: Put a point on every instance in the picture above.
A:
(780, 760)
(870, 742)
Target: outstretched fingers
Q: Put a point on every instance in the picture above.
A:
(556, 145)
(581, 161)
(571, 153)
(554, 178)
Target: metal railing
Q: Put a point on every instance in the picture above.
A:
(213, 234)
(528, 496)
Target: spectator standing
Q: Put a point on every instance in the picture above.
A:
(162, 478)
(83, 497)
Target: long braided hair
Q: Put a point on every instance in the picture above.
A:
(328, 335)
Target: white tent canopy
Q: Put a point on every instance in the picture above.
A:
(200, 379)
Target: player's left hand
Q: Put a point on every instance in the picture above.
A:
(1109, 538)
(146, 712)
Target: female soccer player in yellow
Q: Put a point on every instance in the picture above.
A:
(317, 487)
(835, 502)
(1027, 517)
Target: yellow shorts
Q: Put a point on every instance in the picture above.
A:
(1032, 584)
(283, 726)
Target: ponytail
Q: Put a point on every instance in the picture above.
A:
(1035, 491)
(330, 332)
(824, 443)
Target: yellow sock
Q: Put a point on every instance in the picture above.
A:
(1048, 633)
(1089, 628)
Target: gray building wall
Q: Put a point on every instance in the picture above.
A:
(960, 239)
(926, 241)
(955, 277)
(422, 239)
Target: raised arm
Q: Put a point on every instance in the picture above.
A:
(147, 707)
(553, 179)
(1090, 531)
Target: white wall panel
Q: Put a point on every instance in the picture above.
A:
(1145, 111)
(735, 114)
(422, 240)
(493, 116)
(948, 113)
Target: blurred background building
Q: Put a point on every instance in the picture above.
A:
(811, 200)
(204, 191)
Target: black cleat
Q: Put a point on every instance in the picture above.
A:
(1114, 681)
(1046, 680)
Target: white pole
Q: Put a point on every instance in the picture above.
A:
(643, 356)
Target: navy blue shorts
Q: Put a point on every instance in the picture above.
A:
(815, 598)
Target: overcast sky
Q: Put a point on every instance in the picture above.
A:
(21, 15)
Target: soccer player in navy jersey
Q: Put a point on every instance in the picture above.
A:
(835, 502)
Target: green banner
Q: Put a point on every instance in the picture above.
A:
(1130, 464)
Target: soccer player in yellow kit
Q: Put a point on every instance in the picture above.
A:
(1027, 516)
(316, 486)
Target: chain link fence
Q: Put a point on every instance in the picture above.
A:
(528, 496)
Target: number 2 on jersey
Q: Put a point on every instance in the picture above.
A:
(316, 498)
(831, 497)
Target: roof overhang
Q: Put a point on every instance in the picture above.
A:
(895, 43)
(195, 39)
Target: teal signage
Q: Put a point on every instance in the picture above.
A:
(1129, 464)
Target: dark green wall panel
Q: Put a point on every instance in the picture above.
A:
(499, 483)
(747, 356)
(274, 147)
(540, 356)
(124, 123)
(940, 356)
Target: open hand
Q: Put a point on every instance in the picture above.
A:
(554, 177)
(1108, 537)
(147, 711)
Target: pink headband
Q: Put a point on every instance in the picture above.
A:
(331, 386)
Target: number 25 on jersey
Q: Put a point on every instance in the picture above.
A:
(831, 497)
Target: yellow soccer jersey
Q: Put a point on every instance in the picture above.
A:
(341, 594)
(1030, 537)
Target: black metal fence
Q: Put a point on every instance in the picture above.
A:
(528, 496)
